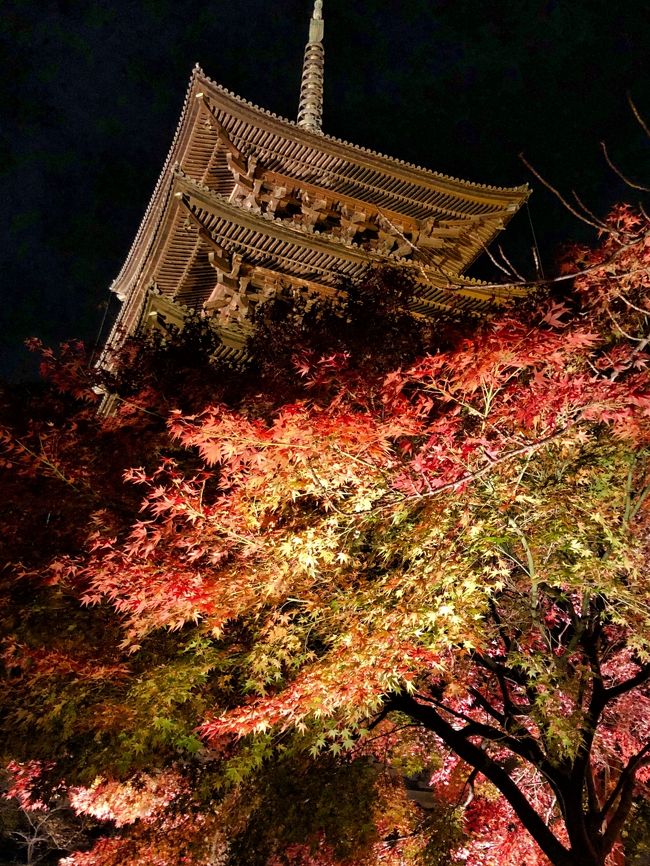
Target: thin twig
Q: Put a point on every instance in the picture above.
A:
(635, 112)
(624, 333)
(634, 306)
(595, 218)
(530, 284)
(620, 174)
(509, 263)
(536, 253)
(497, 264)
(559, 195)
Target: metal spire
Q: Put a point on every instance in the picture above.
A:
(310, 110)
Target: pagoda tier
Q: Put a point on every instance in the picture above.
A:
(250, 205)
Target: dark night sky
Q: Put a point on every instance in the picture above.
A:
(92, 92)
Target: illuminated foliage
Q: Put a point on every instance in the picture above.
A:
(397, 617)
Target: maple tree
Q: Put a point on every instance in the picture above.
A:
(380, 583)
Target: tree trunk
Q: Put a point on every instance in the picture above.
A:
(586, 843)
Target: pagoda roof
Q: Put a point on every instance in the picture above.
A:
(472, 213)
(195, 217)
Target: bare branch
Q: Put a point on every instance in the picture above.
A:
(616, 822)
(497, 264)
(635, 112)
(479, 473)
(559, 195)
(600, 266)
(510, 265)
(522, 743)
(469, 783)
(594, 802)
(620, 174)
(380, 717)
(590, 213)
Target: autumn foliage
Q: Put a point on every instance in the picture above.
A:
(377, 612)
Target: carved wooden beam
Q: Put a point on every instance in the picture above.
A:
(229, 286)
(336, 201)
(275, 196)
(240, 166)
(243, 168)
(401, 235)
(216, 124)
(219, 257)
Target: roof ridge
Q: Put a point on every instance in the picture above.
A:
(325, 136)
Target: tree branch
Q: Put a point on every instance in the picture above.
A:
(494, 772)
(483, 702)
(616, 691)
(615, 825)
(530, 448)
(503, 673)
(594, 802)
(620, 174)
(629, 771)
(558, 195)
(635, 112)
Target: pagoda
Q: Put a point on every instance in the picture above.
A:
(250, 206)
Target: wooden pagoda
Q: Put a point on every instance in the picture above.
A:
(250, 205)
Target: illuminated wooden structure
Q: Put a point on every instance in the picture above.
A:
(249, 205)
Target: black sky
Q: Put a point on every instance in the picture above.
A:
(92, 92)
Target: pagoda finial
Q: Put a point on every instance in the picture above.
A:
(310, 110)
